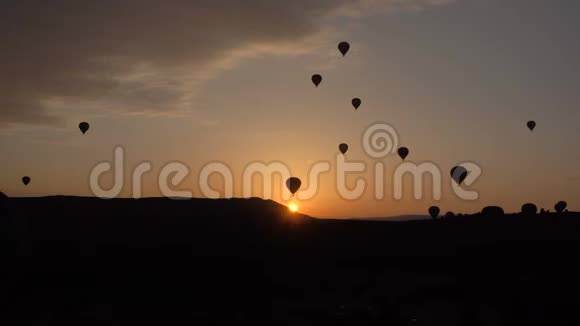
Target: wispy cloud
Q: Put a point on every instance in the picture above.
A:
(210, 123)
(378, 7)
(69, 58)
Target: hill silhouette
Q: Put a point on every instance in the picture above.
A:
(122, 261)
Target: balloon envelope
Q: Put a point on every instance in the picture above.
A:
(293, 184)
(356, 102)
(343, 47)
(458, 174)
(343, 148)
(531, 125)
(403, 152)
(492, 211)
(560, 206)
(434, 211)
(316, 79)
(26, 180)
(529, 209)
(84, 127)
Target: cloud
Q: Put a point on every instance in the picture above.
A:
(69, 57)
(209, 123)
(376, 7)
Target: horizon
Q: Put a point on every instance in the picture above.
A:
(455, 81)
(391, 218)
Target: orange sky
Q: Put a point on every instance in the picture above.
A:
(233, 86)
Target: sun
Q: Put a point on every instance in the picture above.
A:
(293, 207)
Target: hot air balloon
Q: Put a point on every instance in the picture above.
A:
(26, 180)
(316, 79)
(356, 102)
(84, 127)
(293, 184)
(458, 174)
(492, 211)
(434, 212)
(529, 209)
(531, 125)
(403, 152)
(343, 47)
(343, 148)
(560, 206)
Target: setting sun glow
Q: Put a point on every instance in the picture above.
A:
(293, 207)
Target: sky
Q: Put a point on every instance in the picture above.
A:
(208, 81)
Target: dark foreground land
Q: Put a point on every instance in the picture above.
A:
(84, 261)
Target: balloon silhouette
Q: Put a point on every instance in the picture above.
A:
(356, 102)
(26, 180)
(560, 206)
(84, 127)
(343, 148)
(293, 184)
(529, 209)
(458, 174)
(531, 125)
(492, 211)
(403, 152)
(343, 47)
(316, 79)
(434, 211)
